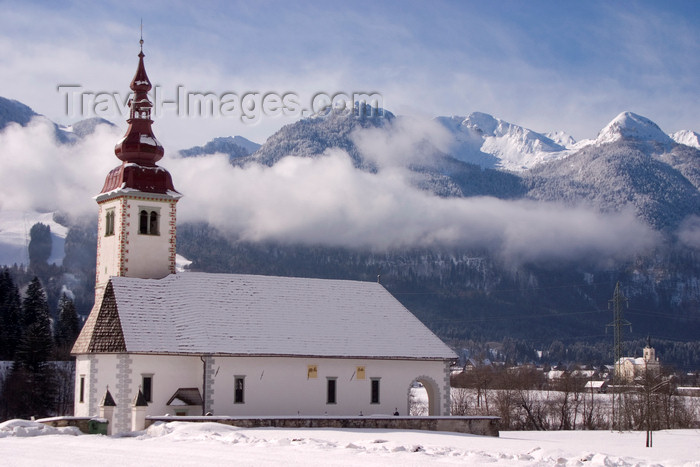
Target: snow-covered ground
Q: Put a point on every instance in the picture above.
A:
(181, 263)
(14, 236)
(183, 444)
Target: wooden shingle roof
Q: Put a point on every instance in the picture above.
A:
(102, 331)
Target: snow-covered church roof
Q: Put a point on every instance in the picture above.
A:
(235, 314)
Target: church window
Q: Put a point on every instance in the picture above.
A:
(147, 387)
(374, 398)
(81, 397)
(239, 390)
(331, 391)
(148, 222)
(153, 223)
(109, 223)
(143, 222)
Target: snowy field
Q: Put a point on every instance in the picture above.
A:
(195, 444)
(14, 236)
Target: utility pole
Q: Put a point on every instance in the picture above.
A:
(616, 304)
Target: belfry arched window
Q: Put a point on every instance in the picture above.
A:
(153, 223)
(109, 223)
(143, 222)
(148, 222)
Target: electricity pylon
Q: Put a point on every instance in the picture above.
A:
(618, 323)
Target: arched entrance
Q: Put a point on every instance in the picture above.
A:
(423, 397)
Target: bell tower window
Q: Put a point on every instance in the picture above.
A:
(109, 223)
(148, 221)
(153, 223)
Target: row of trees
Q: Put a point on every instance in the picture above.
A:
(35, 344)
(524, 400)
(77, 271)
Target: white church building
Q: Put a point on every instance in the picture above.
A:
(232, 344)
(629, 369)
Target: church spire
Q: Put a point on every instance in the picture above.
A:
(139, 150)
(139, 145)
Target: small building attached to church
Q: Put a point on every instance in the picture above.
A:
(232, 344)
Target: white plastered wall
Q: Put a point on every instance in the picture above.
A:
(129, 253)
(149, 256)
(108, 247)
(99, 371)
(274, 386)
(123, 375)
(280, 385)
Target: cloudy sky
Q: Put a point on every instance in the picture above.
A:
(569, 66)
(537, 64)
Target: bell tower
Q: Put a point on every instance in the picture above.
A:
(137, 204)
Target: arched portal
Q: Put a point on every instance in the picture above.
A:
(423, 397)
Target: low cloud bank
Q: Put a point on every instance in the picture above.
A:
(37, 173)
(322, 200)
(326, 201)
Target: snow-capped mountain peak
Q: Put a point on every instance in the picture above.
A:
(687, 137)
(562, 138)
(484, 124)
(236, 147)
(630, 126)
(12, 111)
(491, 142)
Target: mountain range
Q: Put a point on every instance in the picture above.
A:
(631, 164)
(632, 170)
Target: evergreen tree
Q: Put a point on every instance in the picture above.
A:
(36, 343)
(10, 312)
(39, 245)
(30, 389)
(67, 327)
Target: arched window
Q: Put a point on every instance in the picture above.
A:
(148, 222)
(143, 222)
(153, 224)
(109, 223)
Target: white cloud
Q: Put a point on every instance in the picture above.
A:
(689, 232)
(322, 200)
(402, 142)
(39, 174)
(326, 200)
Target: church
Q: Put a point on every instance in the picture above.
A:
(231, 344)
(629, 369)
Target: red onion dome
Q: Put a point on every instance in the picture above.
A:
(139, 145)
